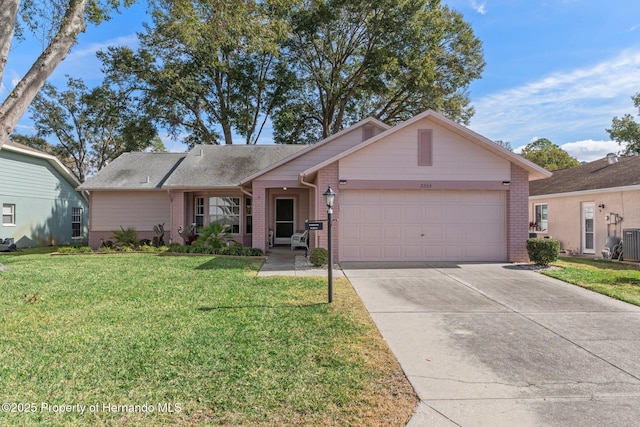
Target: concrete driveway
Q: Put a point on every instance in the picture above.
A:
(496, 345)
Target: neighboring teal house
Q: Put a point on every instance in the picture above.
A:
(40, 204)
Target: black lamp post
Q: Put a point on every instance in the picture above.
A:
(329, 197)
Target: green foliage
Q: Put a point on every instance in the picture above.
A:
(215, 69)
(380, 58)
(213, 235)
(126, 238)
(92, 127)
(235, 249)
(548, 155)
(543, 251)
(319, 256)
(626, 131)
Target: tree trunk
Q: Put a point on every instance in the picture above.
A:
(8, 15)
(19, 99)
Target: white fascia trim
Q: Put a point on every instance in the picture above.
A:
(586, 192)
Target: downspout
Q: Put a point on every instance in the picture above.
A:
(170, 214)
(315, 201)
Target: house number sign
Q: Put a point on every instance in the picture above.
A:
(424, 185)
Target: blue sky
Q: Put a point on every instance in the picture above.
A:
(557, 69)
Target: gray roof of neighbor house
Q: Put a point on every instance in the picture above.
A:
(205, 166)
(135, 171)
(596, 175)
(224, 166)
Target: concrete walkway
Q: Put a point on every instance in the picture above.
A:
(281, 261)
(496, 345)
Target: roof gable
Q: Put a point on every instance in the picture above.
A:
(64, 172)
(366, 126)
(535, 171)
(595, 175)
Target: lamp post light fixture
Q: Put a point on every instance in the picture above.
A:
(329, 197)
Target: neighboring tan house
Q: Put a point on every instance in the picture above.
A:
(426, 189)
(583, 205)
(40, 204)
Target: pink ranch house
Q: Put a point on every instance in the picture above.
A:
(427, 189)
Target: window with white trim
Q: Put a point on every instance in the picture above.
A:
(76, 223)
(248, 220)
(226, 211)
(8, 214)
(199, 213)
(540, 217)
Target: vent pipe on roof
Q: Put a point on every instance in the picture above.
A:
(612, 158)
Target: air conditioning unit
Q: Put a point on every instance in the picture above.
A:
(631, 244)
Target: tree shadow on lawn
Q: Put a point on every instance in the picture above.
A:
(236, 307)
(219, 262)
(627, 281)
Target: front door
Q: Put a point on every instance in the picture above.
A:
(588, 228)
(285, 220)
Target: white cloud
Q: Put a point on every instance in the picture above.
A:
(563, 107)
(15, 78)
(92, 49)
(590, 150)
(481, 8)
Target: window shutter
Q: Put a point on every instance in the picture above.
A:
(425, 147)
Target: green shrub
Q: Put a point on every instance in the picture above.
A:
(543, 251)
(213, 235)
(178, 248)
(319, 256)
(128, 237)
(254, 252)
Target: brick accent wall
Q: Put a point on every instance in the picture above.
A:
(518, 215)
(259, 212)
(328, 176)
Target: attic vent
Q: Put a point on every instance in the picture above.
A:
(612, 158)
(425, 147)
(147, 180)
(367, 132)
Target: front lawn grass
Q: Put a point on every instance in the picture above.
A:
(200, 340)
(612, 278)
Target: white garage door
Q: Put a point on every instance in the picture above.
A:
(413, 225)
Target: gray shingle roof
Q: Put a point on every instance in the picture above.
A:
(210, 166)
(205, 166)
(135, 171)
(591, 176)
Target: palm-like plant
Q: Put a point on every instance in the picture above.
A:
(214, 235)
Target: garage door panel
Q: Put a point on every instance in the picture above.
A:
(393, 252)
(422, 225)
(412, 252)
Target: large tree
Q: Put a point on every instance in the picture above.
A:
(57, 23)
(207, 67)
(626, 131)
(91, 127)
(548, 155)
(384, 58)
